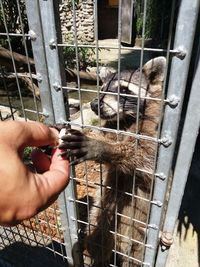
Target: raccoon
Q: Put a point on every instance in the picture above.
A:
(119, 216)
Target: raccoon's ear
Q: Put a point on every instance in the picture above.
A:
(154, 69)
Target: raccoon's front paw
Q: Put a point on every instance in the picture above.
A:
(76, 145)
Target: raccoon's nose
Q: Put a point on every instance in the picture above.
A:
(94, 104)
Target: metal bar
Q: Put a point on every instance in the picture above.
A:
(130, 232)
(184, 36)
(77, 59)
(78, 261)
(112, 93)
(15, 34)
(35, 28)
(137, 136)
(49, 71)
(175, 52)
(187, 145)
(50, 35)
(96, 31)
(118, 123)
(51, 30)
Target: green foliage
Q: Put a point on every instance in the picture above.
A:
(157, 18)
(27, 153)
(85, 57)
(13, 18)
(139, 25)
(153, 17)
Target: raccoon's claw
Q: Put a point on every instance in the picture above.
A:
(75, 145)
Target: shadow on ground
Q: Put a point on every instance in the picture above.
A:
(189, 214)
(129, 60)
(19, 254)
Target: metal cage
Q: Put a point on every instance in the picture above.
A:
(39, 63)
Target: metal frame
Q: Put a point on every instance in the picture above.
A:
(37, 38)
(44, 32)
(55, 72)
(187, 146)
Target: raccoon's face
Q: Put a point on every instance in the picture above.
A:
(112, 104)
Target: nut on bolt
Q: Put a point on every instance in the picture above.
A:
(166, 140)
(181, 53)
(52, 44)
(166, 240)
(161, 176)
(173, 101)
(32, 35)
(39, 77)
(56, 87)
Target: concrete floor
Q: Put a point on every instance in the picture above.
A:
(184, 252)
(129, 59)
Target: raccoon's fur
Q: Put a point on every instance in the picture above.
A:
(118, 220)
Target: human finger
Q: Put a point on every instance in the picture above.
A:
(22, 134)
(53, 181)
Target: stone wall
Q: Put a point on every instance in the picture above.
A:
(84, 20)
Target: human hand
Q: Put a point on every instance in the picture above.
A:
(23, 193)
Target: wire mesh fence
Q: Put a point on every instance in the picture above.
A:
(125, 99)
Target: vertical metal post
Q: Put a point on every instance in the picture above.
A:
(36, 35)
(52, 57)
(187, 145)
(50, 22)
(50, 70)
(184, 37)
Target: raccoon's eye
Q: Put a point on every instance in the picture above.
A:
(123, 90)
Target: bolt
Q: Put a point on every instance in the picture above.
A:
(180, 53)
(166, 140)
(153, 226)
(32, 35)
(157, 203)
(39, 77)
(52, 44)
(166, 240)
(45, 113)
(173, 101)
(56, 87)
(70, 199)
(161, 175)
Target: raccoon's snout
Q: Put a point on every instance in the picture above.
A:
(94, 105)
